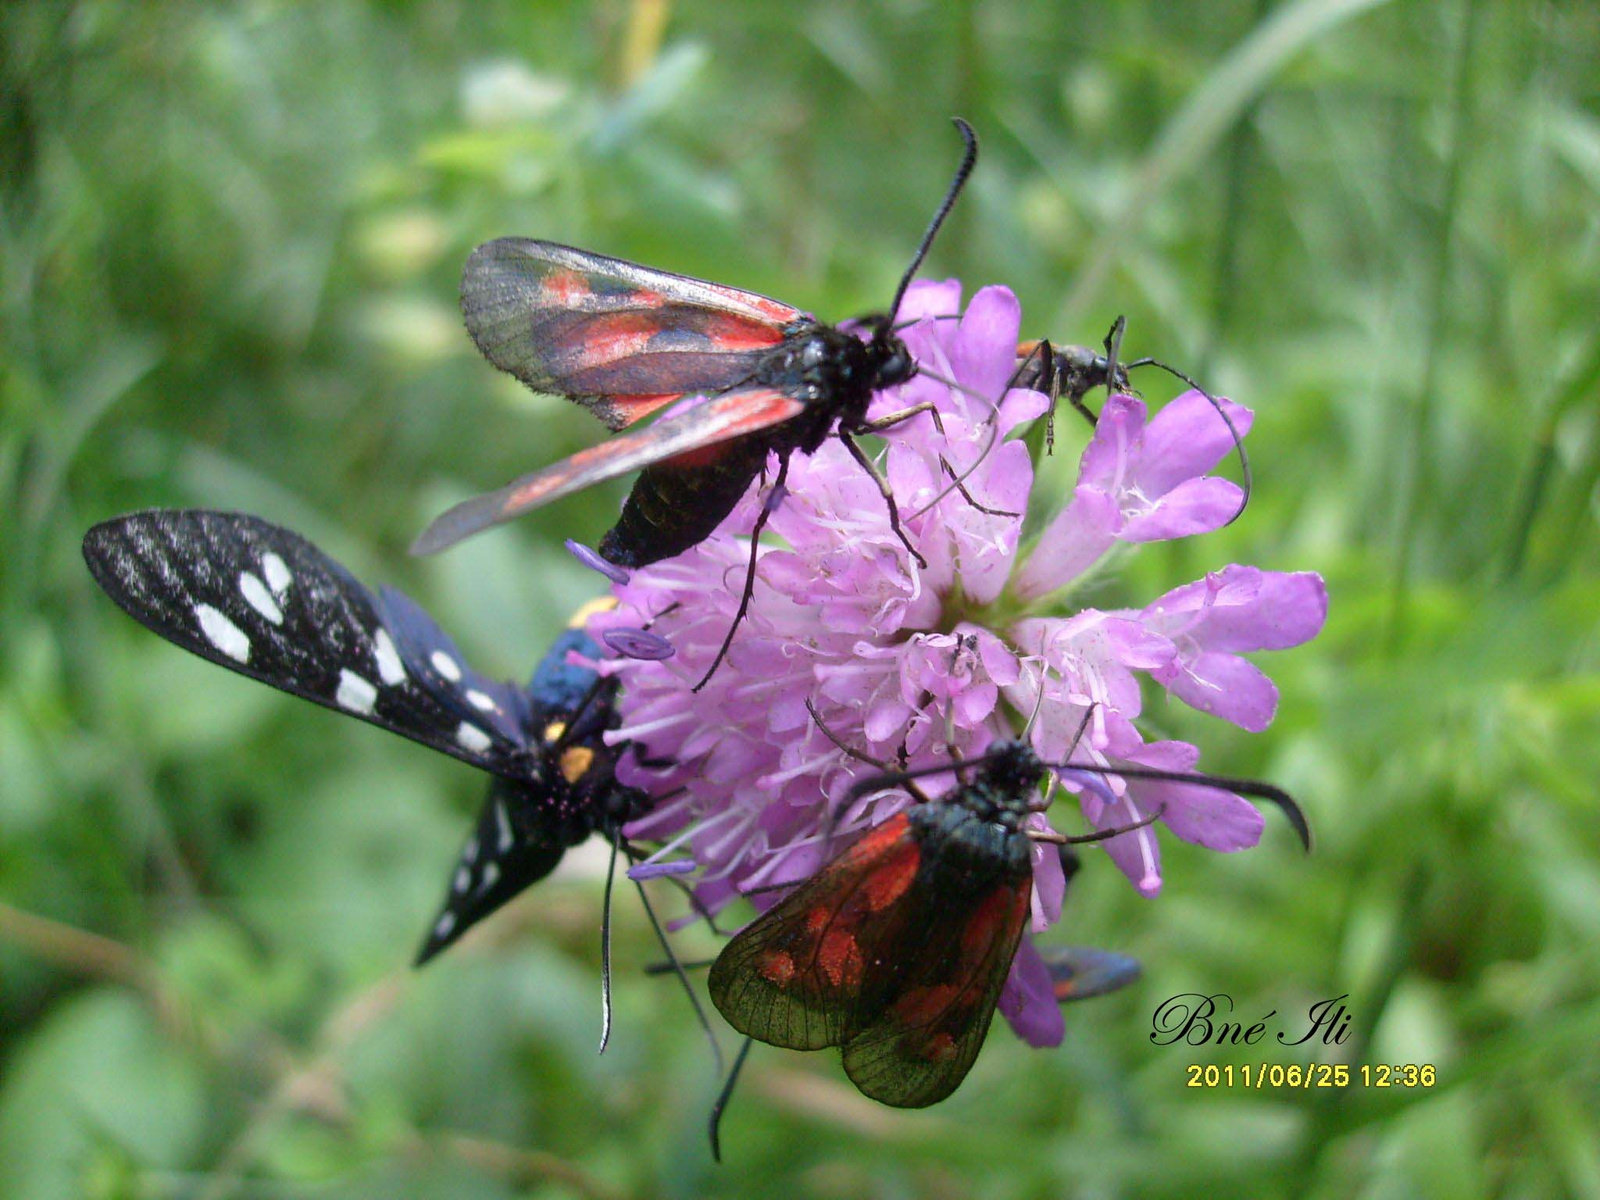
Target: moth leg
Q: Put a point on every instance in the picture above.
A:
(884, 490)
(1062, 839)
(1049, 384)
(967, 496)
(904, 414)
(773, 499)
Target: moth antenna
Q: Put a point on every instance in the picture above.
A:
(1248, 479)
(1113, 344)
(714, 1125)
(605, 945)
(968, 159)
(683, 977)
(688, 964)
(1246, 787)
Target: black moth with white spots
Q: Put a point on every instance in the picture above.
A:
(262, 601)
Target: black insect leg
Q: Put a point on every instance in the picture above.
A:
(884, 490)
(774, 498)
(683, 977)
(714, 1126)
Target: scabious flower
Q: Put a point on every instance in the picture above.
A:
(904, 663)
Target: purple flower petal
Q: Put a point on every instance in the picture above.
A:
(1028, 999)
(1245, 608)
(1225, 686)
(1073, 542)
(638, 643)
(594, 562)
(1195, 506)
(1206, 816)
(1185, 440)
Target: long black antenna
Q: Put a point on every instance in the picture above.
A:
(719, 1106)
(968, 160)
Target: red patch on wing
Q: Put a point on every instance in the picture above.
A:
(732, 333)
(565, 286)
(840, 960)
(889, 882)
(777, 967)
(989, 919)
(635, 408)
(918, 1006)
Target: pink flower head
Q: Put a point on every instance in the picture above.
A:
(903, 663)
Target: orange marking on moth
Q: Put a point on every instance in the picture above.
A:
(619, 336)
(1026, 348)
(636, 407)
(941, 1047)
(989, 920)
(920, 1005)
(775, 309)
(702, 456)
(564, 287)
(817, 919)
(776, 967)
(840, 958)
(1064, 989)
(647, 298)
(888, 883)
(575, 763)
(729, 333)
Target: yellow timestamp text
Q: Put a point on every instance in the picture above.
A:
(1316, 1075)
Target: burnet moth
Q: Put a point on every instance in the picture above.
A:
(896, 950)
(747, 375)
(264, 602)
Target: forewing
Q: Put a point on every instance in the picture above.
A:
(1079, 972)
(503, 855)
(794, 976)
(619, 338)
(266, 603)
(918, 1044)
(716, 420)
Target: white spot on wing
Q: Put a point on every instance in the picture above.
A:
(277, 573)
(472, 739)
(445, 665)
(463, 879)
(390, 669)
(222, 633)
(446, 922)
(355, 693)
(481, 701)
(503, 822)
(491, 876)
(256, 595)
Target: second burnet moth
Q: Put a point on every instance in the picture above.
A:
(896, 949)
(746, 376)
(262, 601)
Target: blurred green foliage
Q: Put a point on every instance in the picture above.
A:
(231, 234)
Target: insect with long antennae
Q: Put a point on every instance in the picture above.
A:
(1072, 372)
(895, 951)
(625, 341)
(262, 601)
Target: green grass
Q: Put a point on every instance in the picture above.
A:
(229, 241)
